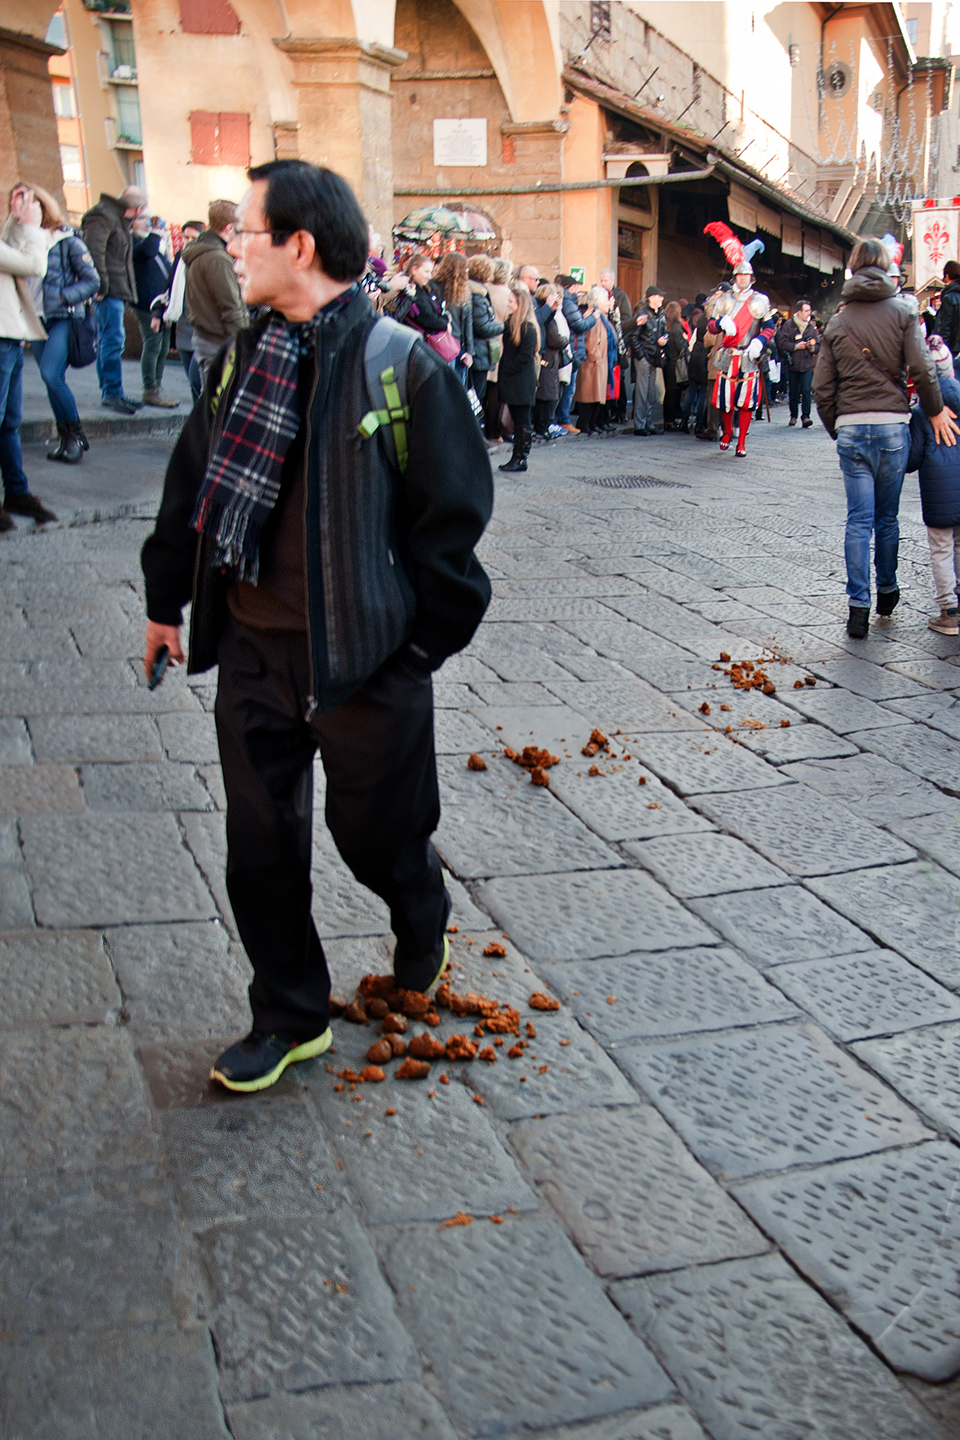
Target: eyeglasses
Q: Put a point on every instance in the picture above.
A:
(280, 237)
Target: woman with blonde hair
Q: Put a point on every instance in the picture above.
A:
(499, 291)
(71, 279)
(487, 328)
(519, 366)
(591, 392)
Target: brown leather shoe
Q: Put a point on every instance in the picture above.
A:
(6, 521)
(29, 505)
(571, 429)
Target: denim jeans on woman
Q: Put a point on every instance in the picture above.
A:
(51, 355)
(873, 459)
(11, 414)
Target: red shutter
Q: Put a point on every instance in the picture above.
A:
(208, 17)
(203, 137)
(234, 138)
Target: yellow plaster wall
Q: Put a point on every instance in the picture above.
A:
(586, 214)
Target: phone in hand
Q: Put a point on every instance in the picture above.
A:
(159, 666)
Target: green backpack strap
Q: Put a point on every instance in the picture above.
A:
(229, 365)
(385, 361)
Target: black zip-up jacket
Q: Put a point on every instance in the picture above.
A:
(643, 338)
(948, 316)
(389, 558)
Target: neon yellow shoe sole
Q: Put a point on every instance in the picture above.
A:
(444, 964)
(307, 1050)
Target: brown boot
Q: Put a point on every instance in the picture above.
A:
(29, 505)
(6, 521)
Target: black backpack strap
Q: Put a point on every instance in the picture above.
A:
(385, 362)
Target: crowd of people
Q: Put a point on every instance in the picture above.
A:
(541, 359)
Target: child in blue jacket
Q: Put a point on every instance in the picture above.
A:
(939, 467)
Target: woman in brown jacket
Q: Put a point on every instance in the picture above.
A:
(591, 392)
(861, 396)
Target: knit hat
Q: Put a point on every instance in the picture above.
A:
(942, 358)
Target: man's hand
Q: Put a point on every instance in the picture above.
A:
(641, 319)
(467, 360)
(755, 348)
(728, 325)
(155, 324)
(662, 341)
(158, 635)
(944, 430)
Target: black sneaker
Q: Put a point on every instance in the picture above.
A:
(257, 1062)
(807, 424)
(121, 403)
(858, 623)
(887, 600)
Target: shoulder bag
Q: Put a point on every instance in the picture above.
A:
(82, 342)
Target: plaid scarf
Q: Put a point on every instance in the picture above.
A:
(242, 480)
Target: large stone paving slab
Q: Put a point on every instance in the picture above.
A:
(630, 705)
(624, 802)
(803, 832)
(881, 1237)
(80, 738)
(758, 1353)
(743, 713)
(39, 788)
(376, 1412)
(68, 1238)
(926, 752)
(798, 742)
(95, 869)
(72, 1099)
(594, 913)
(767, 1098)
(181, 982)
(518, 1328)
(399, 1165)
(495, 822)
(298, 1304)
(56, 978)
(873, 787)
(248, 1160)
(672, 993)
(942, 712)
(876, 993)
(935, 835)
(839, 710)
(911, 908)
(127, 1383)
(15, 747)
(704, 864)
(631, 1195)
(924, 1066)
(697, 764)
(863, 677)
(140, 788)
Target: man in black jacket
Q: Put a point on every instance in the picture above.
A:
(329, 583)
(647, 341)
(948, 316)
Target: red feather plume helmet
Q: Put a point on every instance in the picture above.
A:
(729, 243)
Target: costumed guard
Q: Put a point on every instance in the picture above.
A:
(744, 319)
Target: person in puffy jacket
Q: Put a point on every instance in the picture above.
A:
(486, 326)
(71, 279)
(861, 397)
(153, 271)
(939, 467)
(451, 286)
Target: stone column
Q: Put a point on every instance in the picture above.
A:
(29, 148)
(344, 118)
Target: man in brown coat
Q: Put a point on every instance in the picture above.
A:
(214, 307)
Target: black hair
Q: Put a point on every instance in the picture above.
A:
(803, 301)
(564, 281)
(301, 196)
(200, 225)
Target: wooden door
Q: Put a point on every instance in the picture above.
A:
(630, 261)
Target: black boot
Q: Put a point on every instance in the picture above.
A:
(858, 623)
(70, 450)
(518, 460)
(57, 452)
(82, 440)
(887, 601)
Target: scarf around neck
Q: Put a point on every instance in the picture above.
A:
(242, 481)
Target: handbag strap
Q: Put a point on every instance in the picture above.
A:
(868, 354)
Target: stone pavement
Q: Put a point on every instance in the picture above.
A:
(715, 1196)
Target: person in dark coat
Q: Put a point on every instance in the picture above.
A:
(676, 350)
(695, 396)
(417, 304)
(939, 467)
(519, 367)
(548, 381)
(647, 340)
(799, 340)
(152, 270)
(579, 322)
(327, 584)
(451, 286)
(107, 235)
(486, 326)
(948, 316)
(70, 281)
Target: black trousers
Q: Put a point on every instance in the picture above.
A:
(382, 805)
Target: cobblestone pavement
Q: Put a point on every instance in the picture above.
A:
(715, 1196)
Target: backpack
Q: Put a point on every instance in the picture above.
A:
(385, 362)
(387, 342)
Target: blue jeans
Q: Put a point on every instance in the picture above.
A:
(111, 335)
(873, 459)
(11, 414)
(51, 356)
(566, 400)
(695, 403)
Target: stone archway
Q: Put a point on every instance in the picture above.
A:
(28, 128)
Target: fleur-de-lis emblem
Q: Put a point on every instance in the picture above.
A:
(936, 239)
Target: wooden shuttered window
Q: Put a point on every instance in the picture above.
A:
(219, 138)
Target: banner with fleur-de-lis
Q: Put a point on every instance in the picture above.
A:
(935, 241)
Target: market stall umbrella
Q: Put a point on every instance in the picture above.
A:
(480, 225)
(432, 220)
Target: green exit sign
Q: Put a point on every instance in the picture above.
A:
(577, 273)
